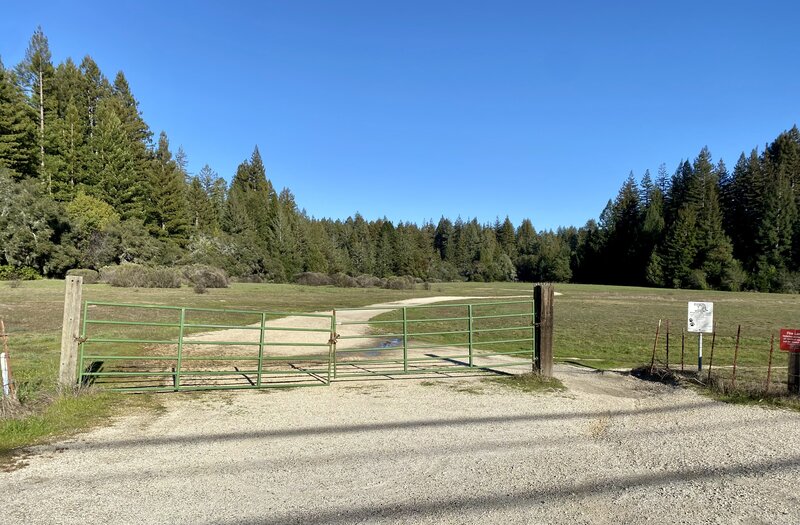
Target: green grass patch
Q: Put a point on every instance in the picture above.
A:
(531, 383)
(62, 416)
(743, 397)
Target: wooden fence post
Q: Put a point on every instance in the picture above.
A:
(794, 373)
(543, 340)
(70, 333)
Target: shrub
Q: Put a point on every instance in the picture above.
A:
(369, 281)
(199, 288)
(137, 276)
(206, 276)
(312, 279)
(343, 281)
(405, 282)
(22, 273)
(89, 276)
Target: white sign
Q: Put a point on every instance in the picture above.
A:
(701, 318)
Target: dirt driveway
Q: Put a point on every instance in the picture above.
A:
(609, 450)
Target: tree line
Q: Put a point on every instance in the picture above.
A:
(84, 184)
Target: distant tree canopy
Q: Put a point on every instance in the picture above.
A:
(83, 184)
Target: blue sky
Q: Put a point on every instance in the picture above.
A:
(414, 110)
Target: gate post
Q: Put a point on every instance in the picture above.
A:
(794, 373)
(543, 338)
(70, 333)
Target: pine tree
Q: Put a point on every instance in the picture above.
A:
(18, 141)
(443, 240)
(526, 238)
(622, 230)
(35, 73)
(286, 235)
(506, 237)
(129, 111)
(168, 212)
(95, 87)
(68, 153)
(113, 170)
(680, 249)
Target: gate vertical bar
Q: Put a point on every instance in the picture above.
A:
(471, 327)
(180, 350)
(335, 335)
(83, 342)
(405, 339)
(533, 333)
(261, 348)
(331, 347)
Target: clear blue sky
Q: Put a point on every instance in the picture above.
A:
(414, 110)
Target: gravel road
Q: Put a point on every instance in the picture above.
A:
(611, 449)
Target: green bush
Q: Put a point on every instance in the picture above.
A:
(138, 276)
(370, 281)
(89, 276)
(22, 273)
(406, 282)
(312, 279)
(205, 276)
(342, 280)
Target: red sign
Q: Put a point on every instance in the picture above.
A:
(790, 340)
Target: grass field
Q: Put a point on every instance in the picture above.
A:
(599, 326)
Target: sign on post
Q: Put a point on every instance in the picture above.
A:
(701, 318)
(701, 321)
(790, 340)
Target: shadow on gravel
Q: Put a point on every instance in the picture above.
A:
(446, 508)
(377, 427)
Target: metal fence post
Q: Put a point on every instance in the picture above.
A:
(543, 340)
(405, 340)
(70, 330)
(331, 347)
(335, 336)
(261, 348)
(469, 314)
(180, 350)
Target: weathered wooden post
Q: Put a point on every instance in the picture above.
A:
(794, 372)
(70, 333)
(543, 340)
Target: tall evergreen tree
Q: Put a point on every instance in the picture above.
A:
(35, 73)
(114, 175)
(168, 212)
(18, 138)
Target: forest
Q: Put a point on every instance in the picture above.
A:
(85, 183)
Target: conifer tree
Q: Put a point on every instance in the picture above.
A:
(113, 169)
(506, 238)
(18, 137)
(35, 73)
(168, 212)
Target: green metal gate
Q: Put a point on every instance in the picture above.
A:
(438, 339)
(168, 348)
(133, 347)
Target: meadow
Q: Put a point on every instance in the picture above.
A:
(598, 326)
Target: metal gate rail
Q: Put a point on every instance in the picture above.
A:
(412, 344)
(136, 355)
